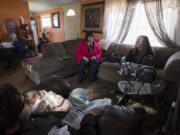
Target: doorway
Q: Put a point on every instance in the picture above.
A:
(72, 23)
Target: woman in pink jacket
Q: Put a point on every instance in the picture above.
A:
(88, 54)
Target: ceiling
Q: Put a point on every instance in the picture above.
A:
(39, 5)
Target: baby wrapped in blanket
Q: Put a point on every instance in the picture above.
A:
(43, 101)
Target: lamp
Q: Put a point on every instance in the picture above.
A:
(70, 12)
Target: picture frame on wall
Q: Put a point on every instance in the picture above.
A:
(93, 17)
(55, 20)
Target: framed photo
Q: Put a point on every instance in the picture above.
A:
(93, 17)
(55, 20)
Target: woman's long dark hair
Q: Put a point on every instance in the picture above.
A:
(88, 34)
(11, 105)
(145, 49)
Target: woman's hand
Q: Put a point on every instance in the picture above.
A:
(85, 59)
(93, 57)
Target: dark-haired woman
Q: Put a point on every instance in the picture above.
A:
(88, 54)
(141, 49)
(140, 54)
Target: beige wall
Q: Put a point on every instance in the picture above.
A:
(54, 34)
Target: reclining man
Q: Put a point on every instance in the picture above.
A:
(16, 117)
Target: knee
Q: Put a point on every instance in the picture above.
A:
(83, 63)
(94, 61)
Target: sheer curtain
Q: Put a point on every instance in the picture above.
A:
(140, 26)
(117, 19)
(163, 27)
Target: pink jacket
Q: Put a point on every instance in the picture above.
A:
(82, 50)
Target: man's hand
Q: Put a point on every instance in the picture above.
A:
(85, 59)
(93, 57)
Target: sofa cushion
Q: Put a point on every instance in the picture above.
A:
(48, 66)
(122, 49)
(171, 70)
(70, 46)
(53, 50)
(108, 71)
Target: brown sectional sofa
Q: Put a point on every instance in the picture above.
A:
(57, 58)
(52, 62)
(167, 63)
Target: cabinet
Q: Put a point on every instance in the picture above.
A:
(26, 37)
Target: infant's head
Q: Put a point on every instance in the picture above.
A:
(32, 96)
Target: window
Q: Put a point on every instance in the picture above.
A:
(46, 21)
(140, 26)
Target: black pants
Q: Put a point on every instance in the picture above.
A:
(92, 64)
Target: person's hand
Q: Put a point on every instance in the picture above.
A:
(123, 59)
(85, 59)
(93, 57)
(96, 111)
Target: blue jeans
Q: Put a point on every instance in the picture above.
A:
(93, 66)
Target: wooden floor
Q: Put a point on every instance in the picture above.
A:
(16, 77)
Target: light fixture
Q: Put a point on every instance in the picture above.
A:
(70, 12)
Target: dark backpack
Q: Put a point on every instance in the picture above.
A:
(145, 74)
(114, 57)
(148, 60)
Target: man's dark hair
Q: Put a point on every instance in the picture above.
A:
(88, 34)
(11, 105)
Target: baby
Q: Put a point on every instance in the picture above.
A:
(43, 101)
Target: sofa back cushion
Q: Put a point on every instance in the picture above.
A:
(70, 46)
(53, 50)
(162, 54)
(122, 49)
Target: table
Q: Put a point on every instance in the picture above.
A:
(7, 54)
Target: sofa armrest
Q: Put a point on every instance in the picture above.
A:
(116, 120)
(171, 69)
